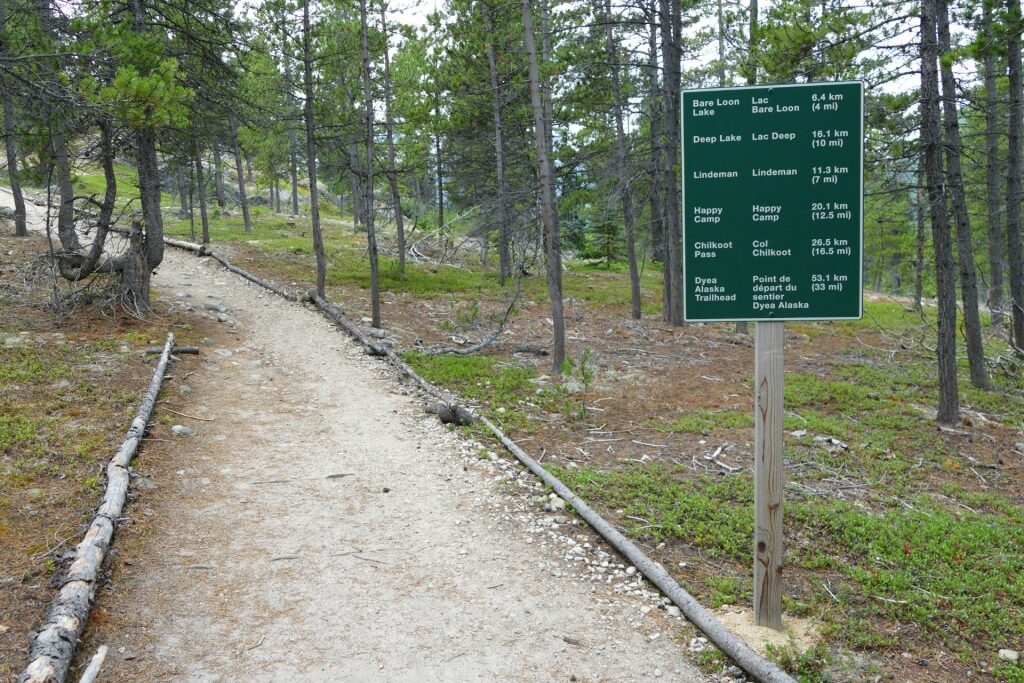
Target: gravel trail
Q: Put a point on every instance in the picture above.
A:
(403, 569)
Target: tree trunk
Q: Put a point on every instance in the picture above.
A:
(371, 235)
(1013, 174)
(149, 194)
(79, 268)
(293, 163)
(135, 272)
(11, 145)
(625, 193)
(358, 215)
(218, 177)
(504, 220)
(965, 246)
(670, 20)
(66, 213)
(314, 194)
(197, 155)
(11, 141)
(919, 258)
(931, 142)
(549, 217)
(242, 199)
(396, 197)
(996, 252)
(655, 110)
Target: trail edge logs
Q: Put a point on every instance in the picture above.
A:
(54, 644)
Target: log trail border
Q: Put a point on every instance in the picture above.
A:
(734, 646)
(53, 645)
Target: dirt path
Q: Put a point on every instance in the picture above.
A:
(404, 569)
(416, 565)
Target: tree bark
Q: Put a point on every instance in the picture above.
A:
(931, 141)
(149, 193)
(314, 193)
(549, 217)
(670, 14)
(1013, 174)
(66, 213)
(218, 176)
(920, 210)
(996, 251)
(197, 156)
(243, 201)
(965, 246)
(625, 194)
(78, 268)
(371, 235)
(654, 168)
(11, 145)
(504, 220)
(293, 164)
(11, 141)
(396, 197)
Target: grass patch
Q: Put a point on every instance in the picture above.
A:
(710, 513)
(704, 422)
(481, 379)
(958, 575)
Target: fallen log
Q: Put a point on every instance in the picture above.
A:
(93, 670)
(176, 351)
(200, 249)
(53, 645)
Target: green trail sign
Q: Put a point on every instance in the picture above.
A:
(773, 202)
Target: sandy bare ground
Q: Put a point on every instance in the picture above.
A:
(416, 565)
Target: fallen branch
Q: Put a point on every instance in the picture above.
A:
(54, 643)
(93, 670)
(176, 351)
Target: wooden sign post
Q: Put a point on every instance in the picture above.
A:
(768, 371)
(773, 206)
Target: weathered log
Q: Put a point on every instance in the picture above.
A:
(200, 249)
(176, 351)
(450, 414)
(93, 670)
(53, 645)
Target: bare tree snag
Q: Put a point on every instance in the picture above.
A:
(53, 645)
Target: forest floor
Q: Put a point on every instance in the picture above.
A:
(318, 525)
